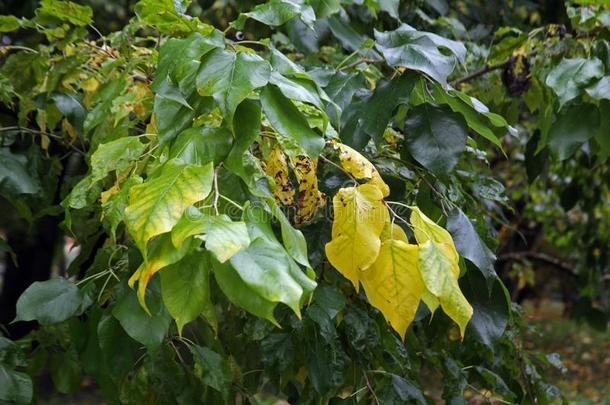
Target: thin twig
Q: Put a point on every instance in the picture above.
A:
(370, 387)
(38, 132)
(216, 192)
(16, 47)
(483, 70)
(327, 160)
(359, 62)
(480, 72)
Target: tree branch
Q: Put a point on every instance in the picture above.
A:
(543, 257)
(480, 72)
(488, 68)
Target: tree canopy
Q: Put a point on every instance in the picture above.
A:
(310, 201)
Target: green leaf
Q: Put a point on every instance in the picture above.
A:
(9, 23)
(435, 137)
(573, 127)
(185, 287)
(603, 135)
(115, 155)
(422, 51)
(368, 118)
(148, 329)
(223, 237)
(440, 280)
(390, 7)
(202, 145)
(116, 346)
(5, 247)
(293, 239)
(600, 90)
(330, 299)
(495, 383)
(55, 10)
(470, 246)
(15, 386)
(174, 113)
(156, 205)
(406, 390)
(50, 301)
(463, 104)
(113, 208)
(298, 89)
(71, 107)
(289, 122)
(15, 178)
(168, 17)
(247, 122)
(570, 76)
(264, 266)
(267, 268)
(66, 371)
(240, 293)
(277, 12)
(325, 8)
(343, 29)
(212, 368)
(342, 86)
(179, 59)
(491, 307)
(230, 77)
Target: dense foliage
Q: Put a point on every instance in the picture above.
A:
(231, 173)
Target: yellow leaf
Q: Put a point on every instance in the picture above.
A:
(310, 199)
(396, 232)
(393, 231)
(360, 216)
(425, 229)
(151, 127)
(393, 283)
(277, 168)
(436, 269)
(359, 167)
(90, 85)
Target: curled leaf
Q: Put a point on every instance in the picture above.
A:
(277, 167)
(310, 198)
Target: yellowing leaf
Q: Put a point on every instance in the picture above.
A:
(437, 272)
(277, 167)
(156, 205)
(310, 199)
(393, 283)
(425, 229)
(162, 253)
(430, 300)
(360, 216)
(359, 167)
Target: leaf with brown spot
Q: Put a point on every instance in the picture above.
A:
(277, 168)
(310, 198)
